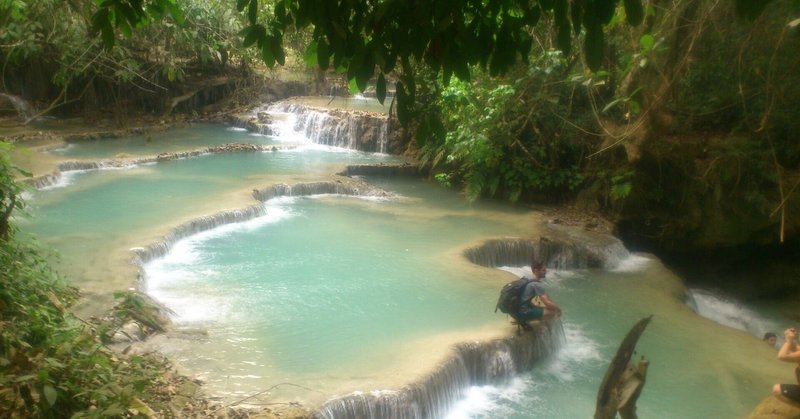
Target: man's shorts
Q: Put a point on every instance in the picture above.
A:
(528, 313)
(791, 392)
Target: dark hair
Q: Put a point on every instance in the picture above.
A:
(769, 335)
(537, 265)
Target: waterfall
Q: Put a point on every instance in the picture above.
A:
(23, 108)
(560, 253)
(340, 187)
(356, 130)
(729, 312)
(158, 249)
(43, 181)
(471, 364)
(391, 170)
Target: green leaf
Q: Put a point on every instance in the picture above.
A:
(107, 34)
(253, 35)
(252, 11)
(50, 394)
(646, 42)
(403, 111)
(605, 10)
(380, 88)
(612, 104)
(323, 54)
(266, 55)
(280, 12)
(594, 44)
(175, 12)
(352, 86)
(634, 12)
(310, 56)
(277, 49)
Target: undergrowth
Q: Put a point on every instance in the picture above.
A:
(53, 364)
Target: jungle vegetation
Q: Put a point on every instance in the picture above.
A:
(678, 118)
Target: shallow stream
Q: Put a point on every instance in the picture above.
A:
(335, 294)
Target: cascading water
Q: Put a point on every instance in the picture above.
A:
(300, 123)
(23, 108)
(475, 363)
(729, 312)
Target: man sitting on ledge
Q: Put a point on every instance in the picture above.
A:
(535, 303)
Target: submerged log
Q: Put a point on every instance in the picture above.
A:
(623, 381)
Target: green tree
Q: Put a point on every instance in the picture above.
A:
(369, 37)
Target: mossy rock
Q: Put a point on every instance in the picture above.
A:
(774, 407)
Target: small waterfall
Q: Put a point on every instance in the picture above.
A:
(23, 108)
(729, 312)
(143, 255)
(474, 363)
(560, 253)
(392, 170)
(44, 181)
(354, 130)
(158, 249)
(340, 187)
(51, 179)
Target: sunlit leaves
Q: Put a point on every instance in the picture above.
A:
(646, 42)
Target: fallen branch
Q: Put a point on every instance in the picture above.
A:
(623, 383)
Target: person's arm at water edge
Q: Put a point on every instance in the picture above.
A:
(789, 351)
(549, 304)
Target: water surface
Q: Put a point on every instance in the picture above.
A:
(335, 294)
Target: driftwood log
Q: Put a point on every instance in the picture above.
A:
(623, 381)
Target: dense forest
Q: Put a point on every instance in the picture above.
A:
(676, 119)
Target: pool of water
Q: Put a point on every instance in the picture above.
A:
(334, 294)
(354, 103)
(157, 142)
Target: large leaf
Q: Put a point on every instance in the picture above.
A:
(252, 12)
(323, 54)
(594, 46)
(310, 56)
(634, 11)
(275, 43)
(380, 88)
(403, 111)
(50, 394)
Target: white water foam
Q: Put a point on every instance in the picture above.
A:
(633, 263)
(282, 127)
(568, 365)
(162, 274)
(61, 150)
(66, 179)
(571, 359)
(729, 312)
(487, 401)
(236, 129)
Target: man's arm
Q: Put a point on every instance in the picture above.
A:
(789, 351)
(548, 303)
